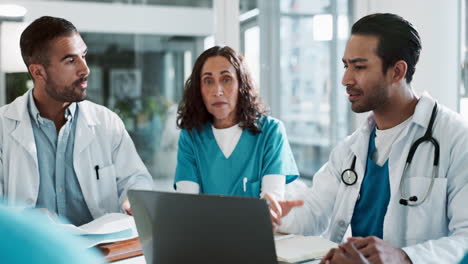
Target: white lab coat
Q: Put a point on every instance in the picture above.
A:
(100, 139)
(433, 232)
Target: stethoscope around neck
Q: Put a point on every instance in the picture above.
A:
(349, 176)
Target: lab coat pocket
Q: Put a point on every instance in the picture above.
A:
(251, 189)
(427, 220)
(108, 186)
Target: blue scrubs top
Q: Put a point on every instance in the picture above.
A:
(370, 209)
(200, 160)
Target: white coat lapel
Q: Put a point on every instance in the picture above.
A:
(359, 147)
(22, 145)
(402, 145)
(84, 133)
(23, 133)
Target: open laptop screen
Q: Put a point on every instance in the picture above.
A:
(185, 228)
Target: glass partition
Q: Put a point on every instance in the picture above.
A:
(301, 70)
(141, 78)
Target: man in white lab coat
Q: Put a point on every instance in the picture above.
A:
(58, 151)
(395, 214)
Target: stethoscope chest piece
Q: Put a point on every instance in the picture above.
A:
(349, 177)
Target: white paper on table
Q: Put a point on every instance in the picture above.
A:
(295, 248)
(105, 229)
(109, 223)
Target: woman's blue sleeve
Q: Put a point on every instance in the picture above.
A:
(186, 169)
(278, 157)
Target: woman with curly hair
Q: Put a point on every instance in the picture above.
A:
(228, 145)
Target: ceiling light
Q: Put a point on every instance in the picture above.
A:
(12, 12)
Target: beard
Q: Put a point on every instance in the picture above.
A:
(373, 100)
(71, 93)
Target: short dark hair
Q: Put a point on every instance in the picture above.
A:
(35, 39)
(192, 112)
(398, 40)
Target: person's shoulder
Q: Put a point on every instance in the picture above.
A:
(185, 132)
(194, 132)
(269, 122)
(18, 104)
(344, 145)
(449, 122)
(363, 129)
(5, 109)
(91, 106)
(97, 111)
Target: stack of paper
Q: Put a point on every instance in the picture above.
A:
(296, 248)
(105, 229)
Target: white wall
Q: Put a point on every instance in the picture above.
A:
(124, 18)
(226, 21)
(438, 23)
(105, 18)
(10, 53)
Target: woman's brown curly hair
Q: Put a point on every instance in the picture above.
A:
(192, 112)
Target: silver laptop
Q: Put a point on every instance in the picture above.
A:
(184, 228)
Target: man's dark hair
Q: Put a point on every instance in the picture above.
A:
(192, 112)
(398, 40)
(35, 39)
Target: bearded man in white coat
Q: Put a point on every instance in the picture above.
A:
(399, 184)
(57, 150)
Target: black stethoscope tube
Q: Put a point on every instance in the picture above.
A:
(349, 176)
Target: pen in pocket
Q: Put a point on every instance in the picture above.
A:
(97, 171)
(245, 183)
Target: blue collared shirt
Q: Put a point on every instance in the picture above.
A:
(59, 189)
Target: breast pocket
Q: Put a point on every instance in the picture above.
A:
(427, 220)
(108, 187)
(250, 188)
